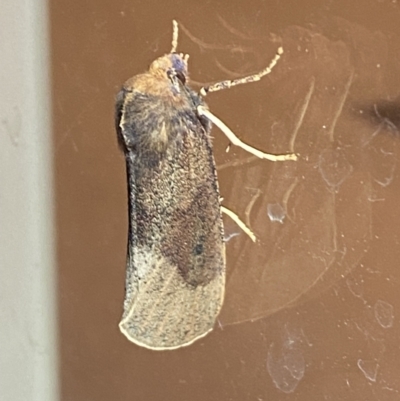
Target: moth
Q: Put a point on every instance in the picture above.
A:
(175, 271)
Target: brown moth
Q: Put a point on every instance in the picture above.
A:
(175, 273)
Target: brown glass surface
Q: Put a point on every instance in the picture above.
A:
(310, 309)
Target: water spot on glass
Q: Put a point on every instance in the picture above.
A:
(355, 287)
(384, 314)
(334, 167)
(286, 367)
(285, 362)
(228, 237)
(384, 168)
(369, 368)
(276, 212)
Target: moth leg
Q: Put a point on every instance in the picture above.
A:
(239, 222)
(237, 142)
(229, 83)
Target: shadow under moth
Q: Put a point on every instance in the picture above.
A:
(175, 271)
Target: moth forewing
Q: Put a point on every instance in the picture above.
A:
(176, 253)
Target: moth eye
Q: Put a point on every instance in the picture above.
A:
(173, 75)
(181, 77)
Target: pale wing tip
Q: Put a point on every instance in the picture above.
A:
(156, 347)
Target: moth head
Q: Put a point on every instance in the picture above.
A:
(173, 67)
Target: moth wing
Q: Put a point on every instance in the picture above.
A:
(167, 312)
(176, 282)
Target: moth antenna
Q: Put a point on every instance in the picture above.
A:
(174, 36)
(251, 78)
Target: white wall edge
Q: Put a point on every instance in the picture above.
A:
(28, 313)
